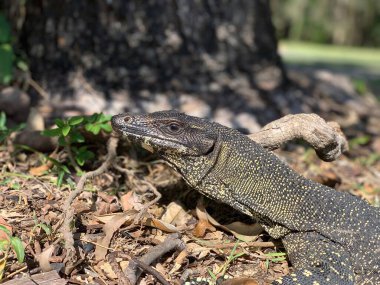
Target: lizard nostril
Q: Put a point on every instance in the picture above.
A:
(127, 119)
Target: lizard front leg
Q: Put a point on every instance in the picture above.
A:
(317, 260)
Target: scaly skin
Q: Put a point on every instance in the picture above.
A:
(330, 237)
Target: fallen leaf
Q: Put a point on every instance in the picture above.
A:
(201, 228)
(130, 201)
(109, 229)
(156, 223)
(240, 281)
(43, 258)
(40, 170)
(3, 234)
(178, 261)
(175, 214)
(107, 269)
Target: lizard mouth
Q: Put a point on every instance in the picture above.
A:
(137, 133)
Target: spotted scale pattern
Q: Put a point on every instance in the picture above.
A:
(331, 237)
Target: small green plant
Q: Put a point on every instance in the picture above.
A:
(70, 137)
(46, 228)
(221, 271)
(5, 132)
(274, 257)
(10, 243)
(360, 86)
(358, 141)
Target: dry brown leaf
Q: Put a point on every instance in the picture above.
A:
(203, 224)
(240, 281)
(43, 258)
(109, 229)
(178, 261)
(40, 170)
(130, 201)
(107, 269)
(3, 235)
(244, 232)
(156, 223)
(201, 228)
(175, 214)
(197, 250)
(108, 217)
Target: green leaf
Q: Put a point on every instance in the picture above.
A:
(6, 67)
(60, 123)
(61, 141)
(5, 30)
(213, 276)
(4, 229)
(76, 137)
(95, 129)
(83, 155)
(52, 132)
(18, 248)
(106, 127)
(46, 228)
(18, 127)
(104, 118)
(76, 120)
(93, 118)
(3, 120)
(65, 169)
(65, 130)
(61, 174)
(22, 65)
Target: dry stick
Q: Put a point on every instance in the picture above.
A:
(170, 243)
(121, 277)
(326, 138)
(69, 210)
(150, 270)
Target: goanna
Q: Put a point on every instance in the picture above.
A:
(330, 237)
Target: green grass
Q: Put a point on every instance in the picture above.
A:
(310, 53)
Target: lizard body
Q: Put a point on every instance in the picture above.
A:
(330, 237)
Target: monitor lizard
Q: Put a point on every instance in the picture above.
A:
(331, 237)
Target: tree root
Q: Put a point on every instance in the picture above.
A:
(68, 210)
(326, 138)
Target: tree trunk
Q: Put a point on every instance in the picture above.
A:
(204, 56)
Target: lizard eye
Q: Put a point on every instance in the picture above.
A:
(127, 119)
(173, 128)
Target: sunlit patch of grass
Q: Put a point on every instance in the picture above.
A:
(310, 53)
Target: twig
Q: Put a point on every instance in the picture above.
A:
(69, 210)
(170, 243)
(150, 270)
(100, 277)
(121, 277)
(38, 88)
(14, 273)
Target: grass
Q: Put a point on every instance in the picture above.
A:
(310, 53)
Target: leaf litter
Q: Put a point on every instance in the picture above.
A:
(105, 223)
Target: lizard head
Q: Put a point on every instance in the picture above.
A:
(168, 132)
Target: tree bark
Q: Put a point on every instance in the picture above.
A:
(202, 48)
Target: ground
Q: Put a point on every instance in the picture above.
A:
(206, 239)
